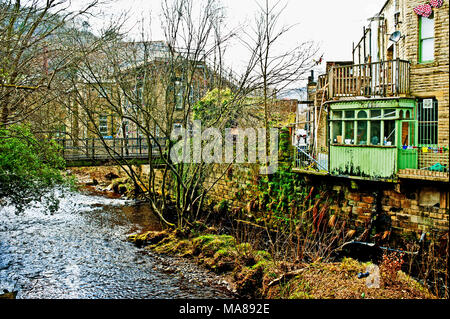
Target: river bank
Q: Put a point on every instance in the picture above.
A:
(253, 273)
(81, 252)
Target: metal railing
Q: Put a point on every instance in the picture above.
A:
(108, 148)
(305, 160)
(385, 78)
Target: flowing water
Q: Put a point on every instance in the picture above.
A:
(81, 252)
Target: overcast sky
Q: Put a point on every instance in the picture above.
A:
(332, 24)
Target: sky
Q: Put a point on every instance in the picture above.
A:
(332, 24)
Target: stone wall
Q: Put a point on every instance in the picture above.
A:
(427, 80)
(413, 207)
(410, 208)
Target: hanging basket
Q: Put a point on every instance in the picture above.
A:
(436, 3)
(424, 10)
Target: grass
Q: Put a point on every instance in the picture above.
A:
(251, 271)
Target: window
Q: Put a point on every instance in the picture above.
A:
(349, 114)
(361, 133)
(60, 131)
(408, 115)
(389, 133)
(428, 121)
(376, 127)
(426, 40)
(337, 132)
(390, 113)
(375, 114)
(375, 132)
(362, 115)
(177, 127)
(337, 114)
(361, 138)
(349, 137)
(178, 95)
(103, 126)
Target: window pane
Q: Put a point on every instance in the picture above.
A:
(427, 50)
(178, 95)
(337, 132)
(408, 115)
(375, 132)
(103, 125)
(349, 133)
(349, 114)
(362, 133)
(427, 28)
(389, 133)
(407, 133)
(337, 114)
(390, 113)
(362, 114)
(375, 114)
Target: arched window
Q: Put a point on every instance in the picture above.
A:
(362, 114)
(408, 115)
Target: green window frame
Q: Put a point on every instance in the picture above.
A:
(426, 39)
(371, 127)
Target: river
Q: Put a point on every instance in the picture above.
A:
(81, 252)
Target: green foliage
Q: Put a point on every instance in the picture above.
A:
(212, 106)
(282, 191)
(28, 167)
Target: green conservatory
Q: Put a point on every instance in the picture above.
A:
(372, 138)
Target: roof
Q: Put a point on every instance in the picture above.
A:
(363, 99)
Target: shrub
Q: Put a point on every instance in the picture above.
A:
(28, 167)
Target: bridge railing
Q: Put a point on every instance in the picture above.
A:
(98, 149)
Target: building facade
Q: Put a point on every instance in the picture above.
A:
(384, 116)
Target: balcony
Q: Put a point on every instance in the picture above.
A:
(379, 79)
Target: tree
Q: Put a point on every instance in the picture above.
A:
(31, 53)
(152, 86)
(273, 69)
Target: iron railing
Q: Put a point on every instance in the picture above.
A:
(104, 149)
(304, 159)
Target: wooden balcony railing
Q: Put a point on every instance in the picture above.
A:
(383, 79)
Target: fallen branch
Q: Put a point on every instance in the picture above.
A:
(286, 276)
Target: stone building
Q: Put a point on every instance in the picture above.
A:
(383, 118)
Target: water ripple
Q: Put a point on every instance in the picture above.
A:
(80, 252)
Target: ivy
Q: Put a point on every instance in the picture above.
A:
(213, 105)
